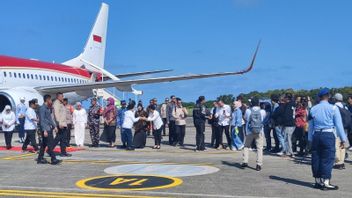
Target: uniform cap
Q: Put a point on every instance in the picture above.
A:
(22, 98)
(323, 92)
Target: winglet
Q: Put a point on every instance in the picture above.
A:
(253, 59)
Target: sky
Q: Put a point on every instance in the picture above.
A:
(305, 44)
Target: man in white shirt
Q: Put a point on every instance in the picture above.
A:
(254, 131)
(223, 114)
(30, 126)
(127, 125)
(341, 152)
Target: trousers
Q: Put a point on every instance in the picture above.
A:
(259, 141)
(236, 140)
(47, 142)
(323, 154)
(220, 132)
(21, 127)
(8, 138)
(94, 133)
(79, 132)
(180, 132)
(288, 132)
(127, 136)
(30, 139)
(172, 132)
(61, 137)
(157, 136)
(200, 128)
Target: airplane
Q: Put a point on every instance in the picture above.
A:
(79, 77)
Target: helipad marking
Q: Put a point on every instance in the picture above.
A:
(171, 170)
(128, 182)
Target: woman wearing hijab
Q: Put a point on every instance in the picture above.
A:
(8, 119)
(110, 122)
(80, 122)
(140, 134)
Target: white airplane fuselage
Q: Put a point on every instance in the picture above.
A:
(19, 77)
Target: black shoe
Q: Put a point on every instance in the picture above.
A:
(258, 168)
(55, 162)
(42, 161)
(130, 149)
(343, 166)
(339, 166)
(329, 187)
(65, 155)
(244, 165)
(318, 185)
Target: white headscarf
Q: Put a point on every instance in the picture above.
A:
(6, 108)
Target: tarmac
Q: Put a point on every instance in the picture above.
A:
(168, 172)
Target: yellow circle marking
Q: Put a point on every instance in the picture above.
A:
(82, 183)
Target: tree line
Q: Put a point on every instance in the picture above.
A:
(229, 98)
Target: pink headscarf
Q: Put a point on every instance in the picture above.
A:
(110, 108)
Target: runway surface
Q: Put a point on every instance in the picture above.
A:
(168, 172)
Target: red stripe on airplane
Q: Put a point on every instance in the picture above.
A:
(7, 61)
(97, 38)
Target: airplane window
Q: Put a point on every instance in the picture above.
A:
(10, 74)
(31, 76)
(4, 74)
(52, 79)
(40, 77)
(23, 75)
(55, 78)
(47, 78)
(15, 75)
(36, 77)
(19, 75)
(28, 76)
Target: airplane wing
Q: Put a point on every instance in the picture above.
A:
(126, 85)
(126, 75)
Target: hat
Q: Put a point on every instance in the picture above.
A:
(338, 97)
(7, 107)
(22, 98)
(79, 104)
(323, 92)
(94, 98)
(123, 102)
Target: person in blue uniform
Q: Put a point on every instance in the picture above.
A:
(325, 124)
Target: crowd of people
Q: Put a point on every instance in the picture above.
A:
(291, 121)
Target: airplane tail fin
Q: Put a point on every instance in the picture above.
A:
(94, 50)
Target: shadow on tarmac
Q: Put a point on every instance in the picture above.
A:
(292, 181)
(236, 164)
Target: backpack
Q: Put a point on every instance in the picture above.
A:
(346, 117)
(255, 121)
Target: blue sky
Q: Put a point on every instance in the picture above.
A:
(305, 44)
